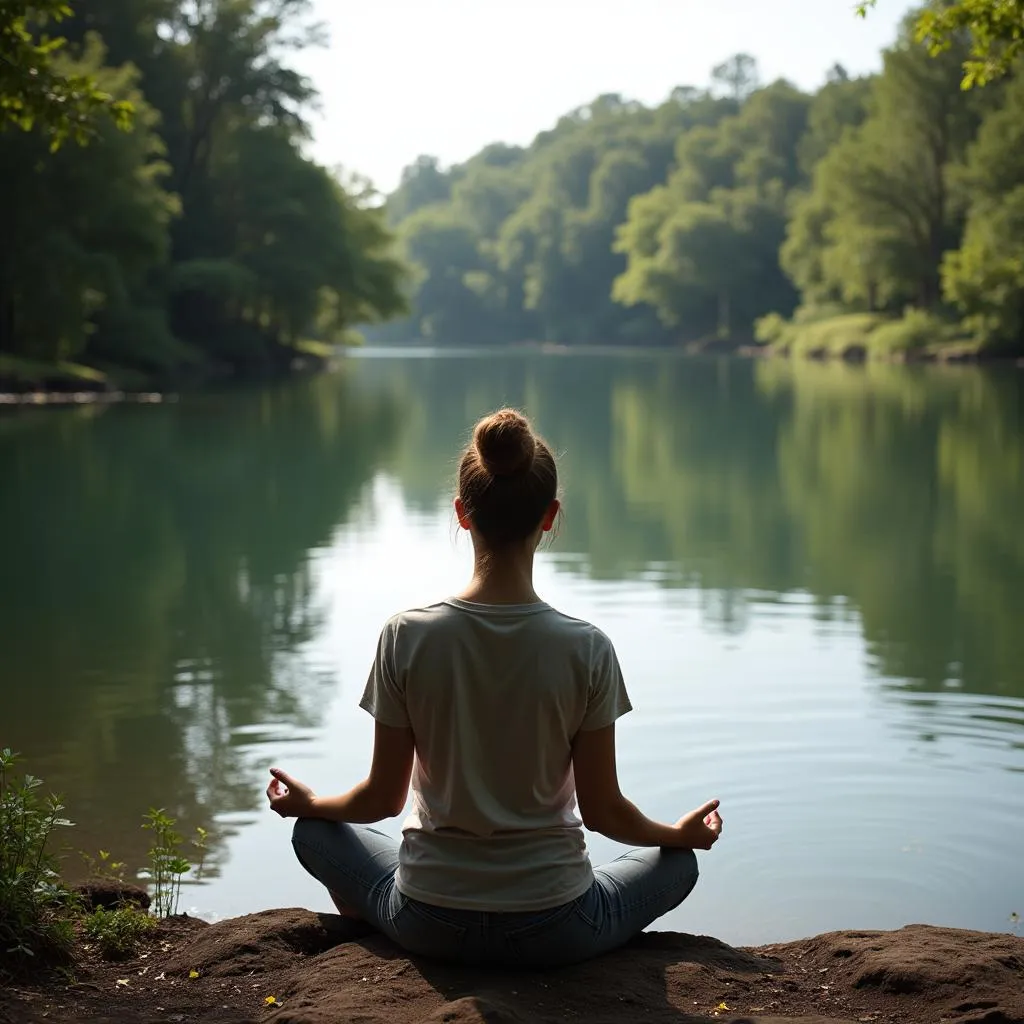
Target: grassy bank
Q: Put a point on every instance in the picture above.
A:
(825, 334)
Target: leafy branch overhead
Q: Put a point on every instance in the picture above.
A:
(996, 28)
(37, 88)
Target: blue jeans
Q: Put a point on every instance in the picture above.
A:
(357, 864)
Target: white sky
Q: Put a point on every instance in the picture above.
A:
(447, 77)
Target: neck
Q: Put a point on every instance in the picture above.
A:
(505, 578)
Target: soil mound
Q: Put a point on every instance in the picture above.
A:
(296, 967)
(261, 943)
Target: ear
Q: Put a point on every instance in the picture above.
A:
(461, 514)
(550, 516)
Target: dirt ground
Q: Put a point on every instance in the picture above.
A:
(297, 967)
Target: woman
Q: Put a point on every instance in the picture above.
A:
(502, 711)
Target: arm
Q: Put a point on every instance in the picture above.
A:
(381, 794)
(604, 809)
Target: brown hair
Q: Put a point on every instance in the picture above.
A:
(507, 478)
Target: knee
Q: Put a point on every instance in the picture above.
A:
(309, 831)
(686, 870)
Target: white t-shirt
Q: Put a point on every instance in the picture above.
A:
(495, 695)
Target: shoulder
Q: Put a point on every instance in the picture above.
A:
(419, 618)
(588, 636)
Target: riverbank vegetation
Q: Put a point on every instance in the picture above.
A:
(893, 203)
(165, 221)
(41, 915)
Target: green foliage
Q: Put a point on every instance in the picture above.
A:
(90, 226)
(692, 221)
(104, 866)
(40, 91)
(34, 903)
(167, 863)
(702, 249)
(914, 332)
(828, 332)
(203, 240)
(984, 278)
(118, 933)
(541, 243)
(871, 230)
(996, 28)
(844, 336)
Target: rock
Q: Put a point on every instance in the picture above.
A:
(109, 894)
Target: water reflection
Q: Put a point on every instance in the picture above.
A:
(888, 494)
(158, 596)
(163, 610)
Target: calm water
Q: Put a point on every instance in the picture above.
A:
(814, 576)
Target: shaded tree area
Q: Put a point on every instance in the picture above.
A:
(893, 199)
(197, 238)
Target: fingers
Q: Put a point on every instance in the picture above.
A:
(285, 778)
(711, 805)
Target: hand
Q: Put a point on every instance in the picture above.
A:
(700, 829)
(289, 797)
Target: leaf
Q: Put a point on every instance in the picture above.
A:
(193, 974)
(271, 1001)
(123, 982)
(721, 1006)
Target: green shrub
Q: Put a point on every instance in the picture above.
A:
(771, 329)
(35, 906)
(835, 336)
(914, 331)
(119, 932)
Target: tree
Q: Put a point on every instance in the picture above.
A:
(739, 76)
(841, 104)
(985, 276)
(879, 217)
(37, 89)
(702, 250)
(996, 28)
(206, 239)
(422, 184)
(88, 226)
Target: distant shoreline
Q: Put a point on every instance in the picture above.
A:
(28, 394)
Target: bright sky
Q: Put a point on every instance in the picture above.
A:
(447, 77)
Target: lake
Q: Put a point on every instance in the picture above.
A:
(813, 574)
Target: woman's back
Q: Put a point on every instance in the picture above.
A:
(494, 695)
(500, 711)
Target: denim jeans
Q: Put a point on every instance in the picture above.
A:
(357, 864)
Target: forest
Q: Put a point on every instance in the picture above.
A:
(166, 224)
(880, 215)
(160, 218)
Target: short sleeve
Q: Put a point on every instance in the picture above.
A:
(607, 699)
(384, 696)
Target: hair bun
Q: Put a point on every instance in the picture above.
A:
(505, 443)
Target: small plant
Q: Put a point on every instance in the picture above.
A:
(118, 932)
(35, 906)
(167, 865)
(103, 866)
